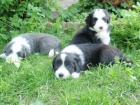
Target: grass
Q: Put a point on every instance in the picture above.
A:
(34, 83)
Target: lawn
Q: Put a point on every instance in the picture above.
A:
(34, 83)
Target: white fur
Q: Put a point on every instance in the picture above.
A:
(74, 49)
(51, 53)
(16, 47)
(21, 41)
(56, 52)
(13, 57)
(2, 55)
(99, 14)
(62, 69)
(103, 33)
(75, 75)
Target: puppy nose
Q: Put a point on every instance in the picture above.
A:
(101, 27)
(61, 75)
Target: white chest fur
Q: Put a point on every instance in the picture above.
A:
(104, 36)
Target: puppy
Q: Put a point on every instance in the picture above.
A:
(25, 44)
(76, 58)
(96, 30)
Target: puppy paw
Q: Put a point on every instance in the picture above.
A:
(14, 60)
(51, 53)
(56, 52)
(75, 75)
(2, 55)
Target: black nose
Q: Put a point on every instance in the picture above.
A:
(101, 27)
(61, 75)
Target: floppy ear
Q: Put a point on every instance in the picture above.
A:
(107, 15)
(24, 53)
(88, 20)
(78, 64)
(54, 66)
(53, 62)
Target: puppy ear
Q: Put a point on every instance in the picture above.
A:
(88, 19)
(24, 53)
(78, 64)
(107, 15)
(53, 66)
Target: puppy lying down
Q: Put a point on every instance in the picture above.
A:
(25, 44)
(76, 58)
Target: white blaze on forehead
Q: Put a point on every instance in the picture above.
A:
(63, 56)
(20, 41)
(100, 24)
(75, 50)
(62, 69)
(16, 47)
(99, 13)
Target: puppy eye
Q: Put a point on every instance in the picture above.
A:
(94, 19)
(55, 67)
(105, 20)
(69, 66)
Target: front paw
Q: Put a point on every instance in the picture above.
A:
(75, 75)
(51, 53)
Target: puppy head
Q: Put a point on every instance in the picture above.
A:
(98, 20)
(13, 51)
(66, 65)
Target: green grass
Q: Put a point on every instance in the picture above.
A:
(34, 82)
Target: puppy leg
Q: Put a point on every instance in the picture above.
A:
(3, 56)
(51, 53)
(75, 75)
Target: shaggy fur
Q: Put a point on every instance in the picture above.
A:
(96, 30)
(75, 58)
(25, 44)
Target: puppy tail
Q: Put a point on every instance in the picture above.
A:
(3, 55)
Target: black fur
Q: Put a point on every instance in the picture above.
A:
(85, 35)
(72, 62)
(24, 53)
(38, 43)
(93, 55)
(100, 53)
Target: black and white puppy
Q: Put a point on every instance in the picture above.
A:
(76, 58)
(25, 44)
(96, 30)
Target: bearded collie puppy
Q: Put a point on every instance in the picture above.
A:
(76, 58)
(96, 30)
(25, 44)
